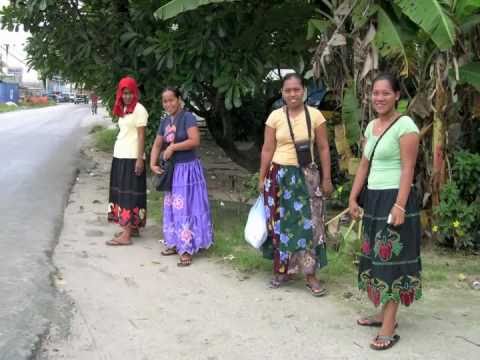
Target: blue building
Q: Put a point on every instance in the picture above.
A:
(9, 91)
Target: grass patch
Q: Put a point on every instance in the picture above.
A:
(23, 106)
(96, 129)
(441, 268)
(229, 220)
(105, 139)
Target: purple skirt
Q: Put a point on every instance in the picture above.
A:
(187, 222)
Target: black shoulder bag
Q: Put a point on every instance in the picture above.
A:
(302, 148)
(363, 193)
(163, 181)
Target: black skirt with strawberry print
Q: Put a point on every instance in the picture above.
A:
(128, 194)
(390, 263)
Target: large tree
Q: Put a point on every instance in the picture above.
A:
(220, 55)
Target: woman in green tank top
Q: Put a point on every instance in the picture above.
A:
(390, 262)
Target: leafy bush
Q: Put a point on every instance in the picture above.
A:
(466, 174)
(457, 220)
(105, 139)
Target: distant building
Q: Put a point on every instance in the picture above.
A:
(16, 72)
(9, 91)
(56, 85)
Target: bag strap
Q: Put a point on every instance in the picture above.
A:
(179, 119)
(309, 128)
(375, 146)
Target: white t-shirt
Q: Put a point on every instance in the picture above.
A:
(126, 145)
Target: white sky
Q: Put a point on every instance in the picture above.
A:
(16, 41)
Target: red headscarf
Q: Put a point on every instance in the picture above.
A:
(119, 108)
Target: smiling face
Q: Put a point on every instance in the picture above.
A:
(171, 103)
(384, 97)
(127, 96)
(292, 92)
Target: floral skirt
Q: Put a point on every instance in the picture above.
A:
(187, 221)
(390, 264)
(294, 206)
(128, 194)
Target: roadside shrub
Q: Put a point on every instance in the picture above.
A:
(105, 139)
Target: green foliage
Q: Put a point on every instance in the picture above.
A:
(105, 139)
(458, 216)
(351, 114)
(251, 186)
(434, 17)
(456, 219)
(469, 74)
(221, 59)
(175, 7)
(340, 196)
(465, 8)
(466, 175)
(391, 40)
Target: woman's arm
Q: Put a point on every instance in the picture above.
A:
(140, 164)
(357, 186)
(155, 153)
(408, 155)
(321, 139)
(268, 149)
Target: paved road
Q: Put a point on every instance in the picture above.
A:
(38, 149)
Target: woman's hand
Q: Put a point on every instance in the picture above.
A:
(139, 167)
(260, 185)
(354, 209)
(156, 169)
(168, 153)
(398, 216)
(327, 187)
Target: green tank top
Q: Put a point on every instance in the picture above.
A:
(386, 166)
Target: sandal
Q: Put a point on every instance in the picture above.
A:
(115, 242)
(185, 260)
(317, 290)
(279, 280)
(386, 342)
(168, 252)
(135, 233)
(371, 322)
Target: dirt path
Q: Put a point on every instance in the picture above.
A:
(131, 303)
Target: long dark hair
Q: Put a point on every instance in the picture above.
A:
(392, 80)
(293, 75)
(175, 90)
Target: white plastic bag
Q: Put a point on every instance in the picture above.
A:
(256, 228)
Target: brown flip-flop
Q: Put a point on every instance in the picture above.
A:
(134, 233)
(114, 242)
(168, 252)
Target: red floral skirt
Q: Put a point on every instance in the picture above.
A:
(128, 194)
(390, 263)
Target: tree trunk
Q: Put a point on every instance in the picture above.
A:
(439, 129)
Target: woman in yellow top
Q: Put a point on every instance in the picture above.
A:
(128, 184)
(294, 194)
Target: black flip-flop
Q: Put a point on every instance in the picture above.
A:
(392, 340)
(371, 322)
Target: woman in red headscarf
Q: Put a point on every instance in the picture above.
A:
(128, 184)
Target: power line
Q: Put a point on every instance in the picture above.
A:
(8, 52)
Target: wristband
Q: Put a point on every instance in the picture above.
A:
(399, 207)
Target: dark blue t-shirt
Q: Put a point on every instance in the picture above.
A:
(169, 127)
